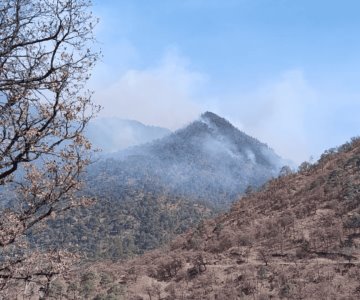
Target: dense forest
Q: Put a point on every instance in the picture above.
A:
(125, 223)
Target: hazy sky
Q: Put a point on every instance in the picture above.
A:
(284, 71)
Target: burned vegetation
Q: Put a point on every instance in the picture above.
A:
(297, 238)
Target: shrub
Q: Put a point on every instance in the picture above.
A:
(168, 268)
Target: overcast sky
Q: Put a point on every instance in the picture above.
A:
(284, 71)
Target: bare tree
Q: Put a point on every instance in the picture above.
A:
(264, 255)
(45, 61)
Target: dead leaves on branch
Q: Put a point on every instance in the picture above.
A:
(45, 61)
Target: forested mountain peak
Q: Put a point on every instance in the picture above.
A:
(216, 140)
(220, 125)
(209, 159)
(215, 120)
(210, 123)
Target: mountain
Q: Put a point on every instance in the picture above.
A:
(147, 194)
(296, 238)
(114, 134)
(208, 160)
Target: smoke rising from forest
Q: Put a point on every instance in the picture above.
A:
(209, 160)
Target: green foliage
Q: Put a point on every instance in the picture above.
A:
(123, 224)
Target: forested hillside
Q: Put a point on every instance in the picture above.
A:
(122, 223)
(297, 238)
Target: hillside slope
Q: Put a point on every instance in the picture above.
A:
(121, 223)
(297, 238)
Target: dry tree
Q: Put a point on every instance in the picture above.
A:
(46, 56)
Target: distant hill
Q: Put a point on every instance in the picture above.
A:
(208, 160)
(296, 238)
(114, 134)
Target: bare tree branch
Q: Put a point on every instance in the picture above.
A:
(45, 61)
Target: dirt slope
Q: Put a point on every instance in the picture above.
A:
(297, 238)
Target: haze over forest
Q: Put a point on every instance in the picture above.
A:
(285, 73)
(179, 150)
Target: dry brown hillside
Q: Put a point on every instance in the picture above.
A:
(297, 238)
